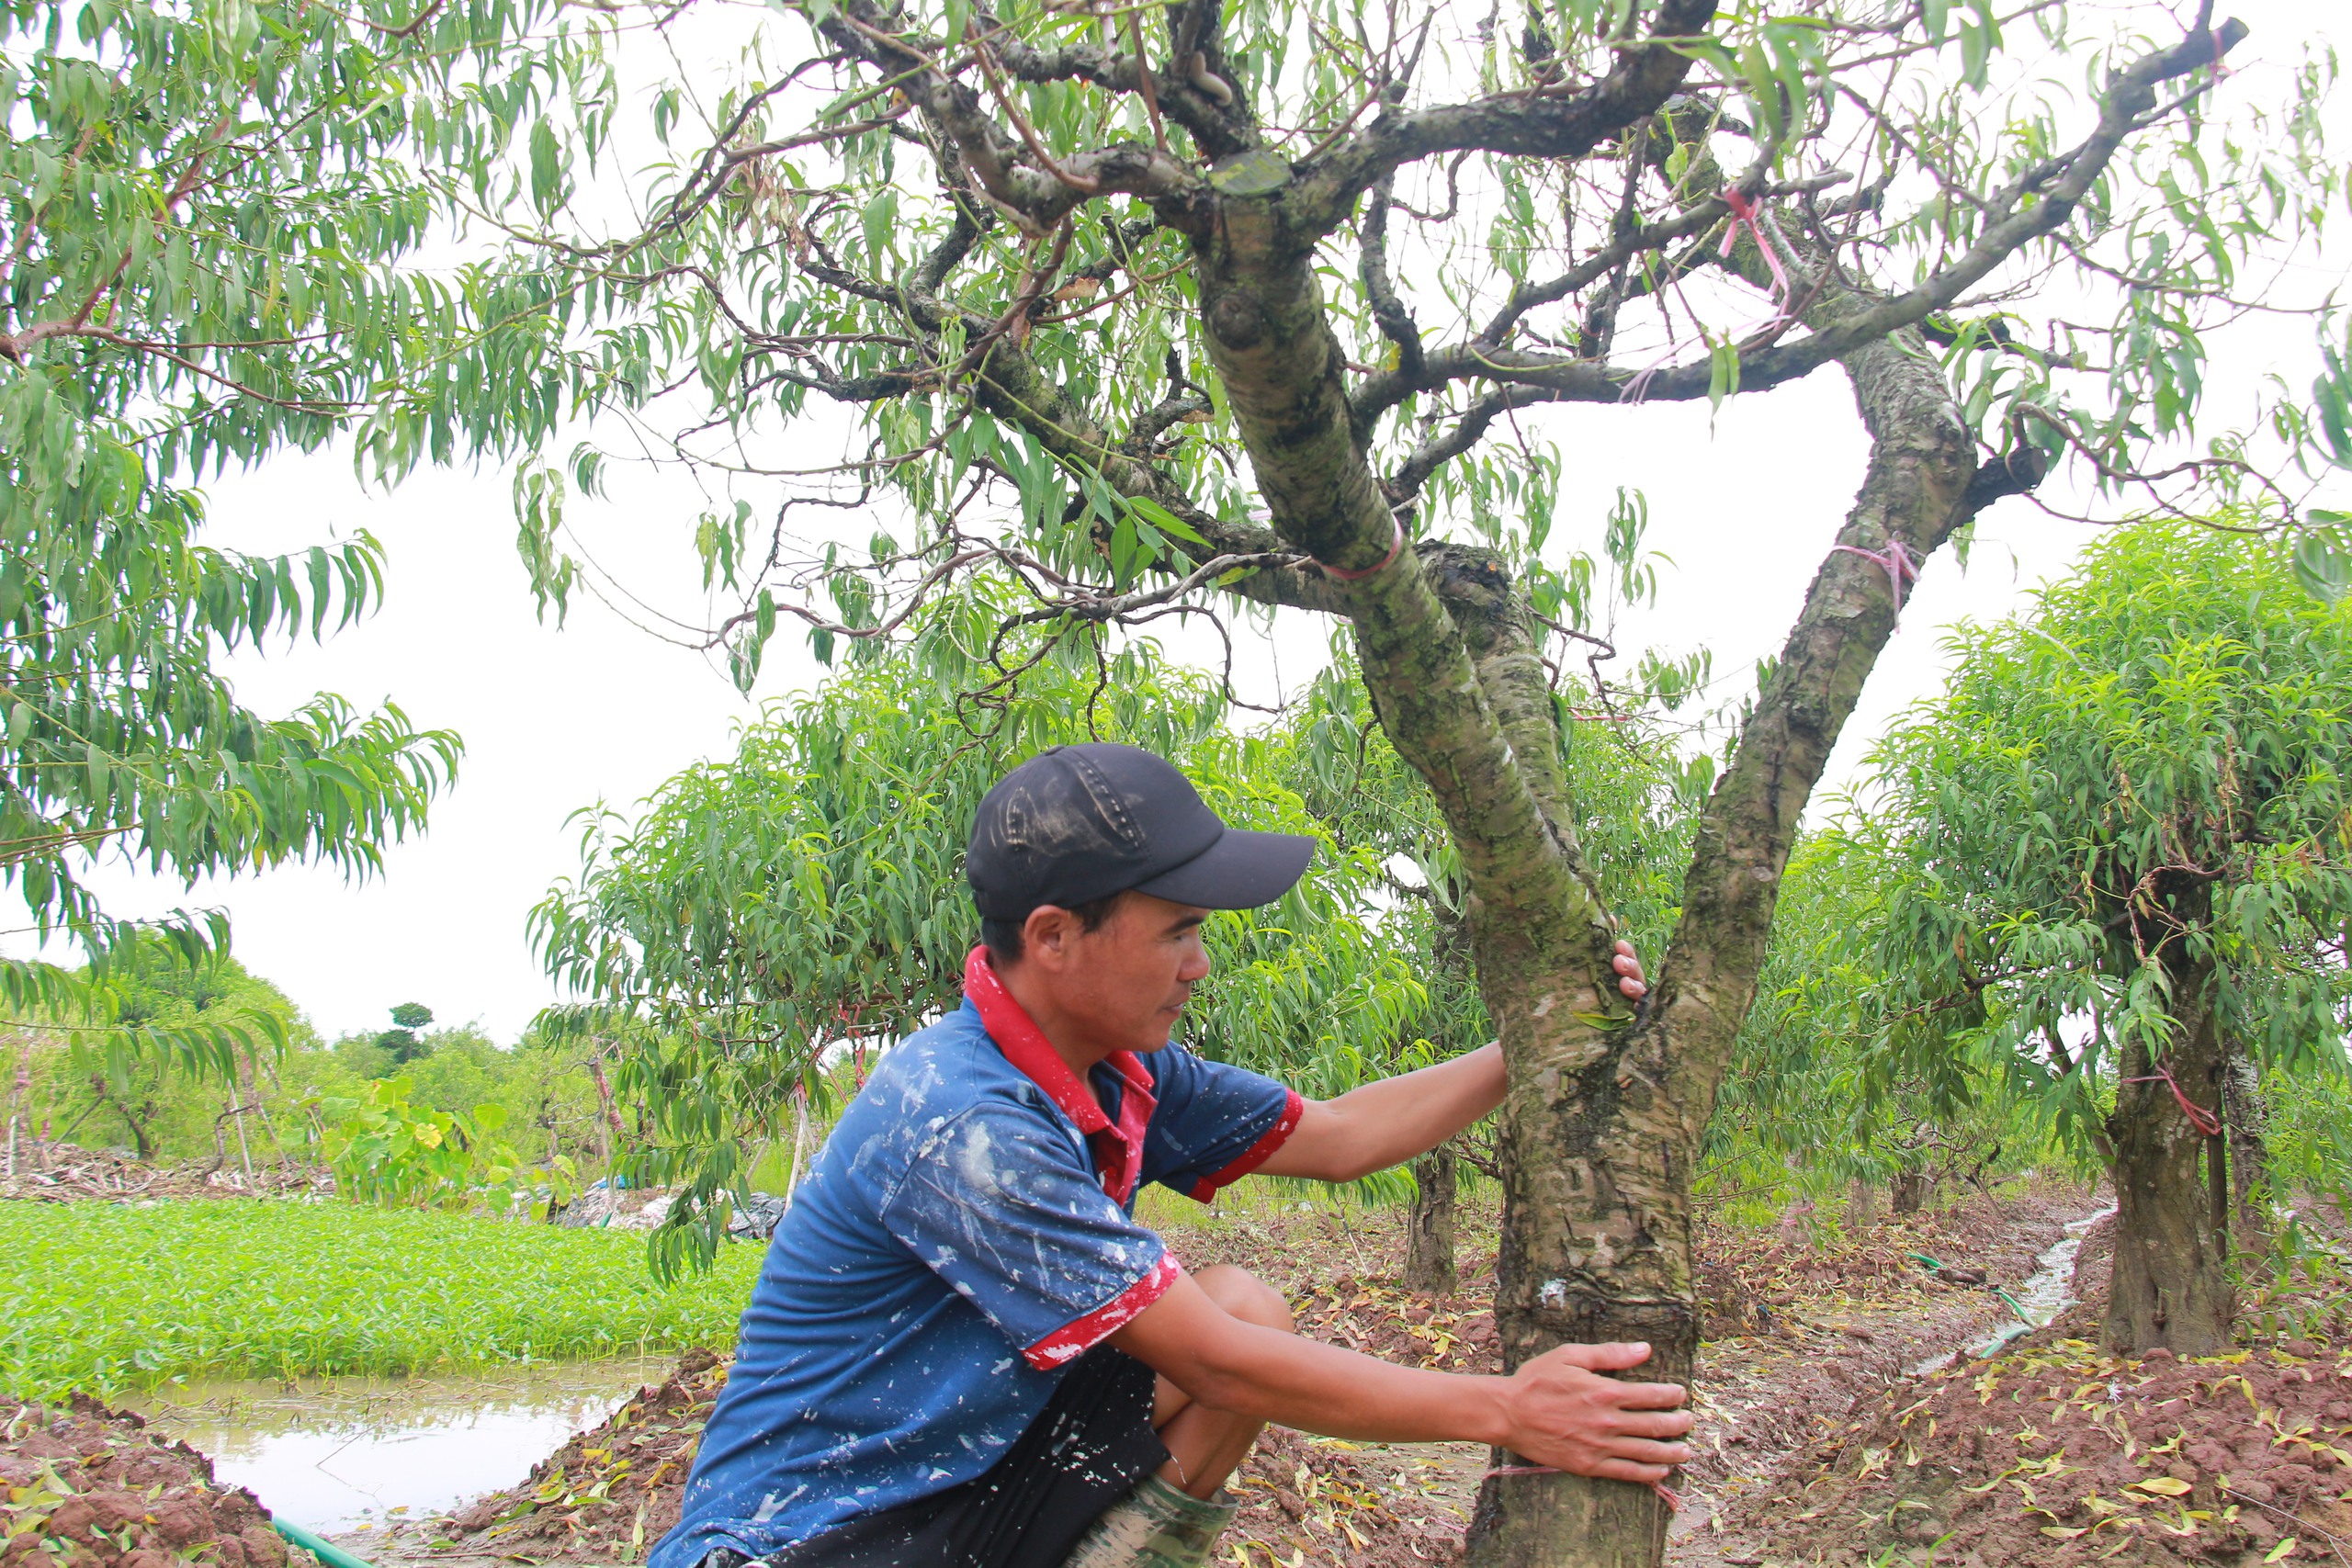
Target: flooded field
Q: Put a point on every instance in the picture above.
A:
(335, 1455)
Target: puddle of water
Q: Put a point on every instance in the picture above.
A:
(2041, 1297)
(345, 1453)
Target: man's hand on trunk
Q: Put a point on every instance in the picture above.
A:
(1630, 978)
(1565, 1414)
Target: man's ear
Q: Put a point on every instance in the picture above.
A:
(1046, 936)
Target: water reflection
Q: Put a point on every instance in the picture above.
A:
(344, 1453)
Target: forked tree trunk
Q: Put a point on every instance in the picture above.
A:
(1429, 1225)
(1600, 1128)
(141, 1145)
(2171, 1284)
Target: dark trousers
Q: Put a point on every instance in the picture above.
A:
(1085, 1451)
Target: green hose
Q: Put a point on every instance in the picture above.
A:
(2003, 1294)
(1924, 1259)
(320, 1547)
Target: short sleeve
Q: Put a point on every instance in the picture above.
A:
(1214, 1125)
(1000, 1203)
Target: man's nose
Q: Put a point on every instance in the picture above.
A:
(1195, 965)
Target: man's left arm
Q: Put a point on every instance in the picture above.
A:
(1399, 1118)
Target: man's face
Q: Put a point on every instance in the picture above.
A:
(1126, 982)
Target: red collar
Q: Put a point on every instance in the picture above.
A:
(1117, 1147)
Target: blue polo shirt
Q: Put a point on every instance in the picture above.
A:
(966, 1232)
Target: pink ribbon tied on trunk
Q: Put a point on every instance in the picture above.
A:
(2207, 1124)
(1666, 1494)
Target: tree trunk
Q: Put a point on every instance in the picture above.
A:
(1599, 1153)
(141, 1145)
(608, 1121)
(255, 1098)
(1428, 1229)
(1600, 1128)
(19, 1089)
(1911, 1190)
(799, 1142)
(2171, 1285)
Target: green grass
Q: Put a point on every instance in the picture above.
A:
(105, 1299)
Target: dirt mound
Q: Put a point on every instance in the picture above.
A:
(64, 1174)
(2058, 1454)
(611, 1492)
(89, 1487)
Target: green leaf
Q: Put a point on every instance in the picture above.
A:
(1723, 373)
(2322, 563)
(547, 166)
(879, 217)
(1167, 522)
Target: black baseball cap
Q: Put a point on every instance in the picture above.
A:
(1078, 823)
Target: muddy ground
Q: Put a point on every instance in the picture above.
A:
(89, 1487)
(1821, 1443)
(1805, 1374)
(2058, 1454)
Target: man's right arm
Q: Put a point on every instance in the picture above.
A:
(1556, 1410)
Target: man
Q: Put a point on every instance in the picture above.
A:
(964, 1350)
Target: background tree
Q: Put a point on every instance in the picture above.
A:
(804, 898)
(401, 1041)
(1814, 1102)
(205, 218)
(172, 1011)
(1121, 303)
(2119, 851)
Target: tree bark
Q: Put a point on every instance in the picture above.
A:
(2244, 1111)
(2171, 1286)
(1429, 1225)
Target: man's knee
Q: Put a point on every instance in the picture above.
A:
(1246, 1296)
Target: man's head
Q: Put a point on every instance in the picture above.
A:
(1094, 867)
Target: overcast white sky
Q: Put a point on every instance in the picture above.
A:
(557, 720)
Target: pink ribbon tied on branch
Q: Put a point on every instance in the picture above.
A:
(1748, 214)
(1898, 560)
(1744, 214)
(1396, 549)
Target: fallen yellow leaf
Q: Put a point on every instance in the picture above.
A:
(2162, 1487)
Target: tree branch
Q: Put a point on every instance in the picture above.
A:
(1526, 124)
(2037, 203)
